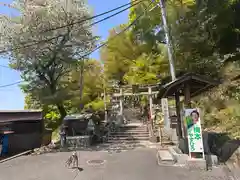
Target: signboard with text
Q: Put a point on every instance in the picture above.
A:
(194, 131)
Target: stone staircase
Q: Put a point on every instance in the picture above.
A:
(130, 133)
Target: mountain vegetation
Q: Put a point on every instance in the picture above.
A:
(205, 36)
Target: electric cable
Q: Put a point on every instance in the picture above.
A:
(102, 45)
(50, 39)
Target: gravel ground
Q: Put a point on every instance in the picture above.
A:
(139, 164)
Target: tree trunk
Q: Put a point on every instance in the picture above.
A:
(60, 105)
(62, 111)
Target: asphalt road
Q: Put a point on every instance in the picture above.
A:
(139, 164)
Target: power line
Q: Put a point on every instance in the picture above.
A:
(6, 85)
(102, 45)
(7, 67)
(50, 39)
(124, 30)
(93, 17)
(4, 66)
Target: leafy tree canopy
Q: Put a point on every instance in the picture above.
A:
(44, 56)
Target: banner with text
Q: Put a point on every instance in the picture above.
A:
(194, 131)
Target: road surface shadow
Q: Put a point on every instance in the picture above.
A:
(221, 145)
(78, 169)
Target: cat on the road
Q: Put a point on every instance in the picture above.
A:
(72, 160)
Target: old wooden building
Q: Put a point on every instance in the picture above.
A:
(24, 129)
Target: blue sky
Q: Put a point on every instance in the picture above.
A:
(11, 97)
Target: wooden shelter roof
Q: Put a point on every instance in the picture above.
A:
(20, 115)
(197, 83)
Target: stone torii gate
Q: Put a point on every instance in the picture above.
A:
(137, 90)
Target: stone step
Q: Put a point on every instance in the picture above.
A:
(131, 132)
(123, 142)
(132, 124)
(133, 127)
(130, 135)
(128, 138)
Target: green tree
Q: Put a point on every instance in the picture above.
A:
(149, 27)
(147, 69)
(31, 103)
(42, 56)
(204, 37)
(92, 90)
(50, 112)
(119, 53)
(203, 32)
(92, 84)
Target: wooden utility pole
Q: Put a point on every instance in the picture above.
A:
(105, 105)
(121, 101)
(178, 110)
(81, 81)
(150, 102)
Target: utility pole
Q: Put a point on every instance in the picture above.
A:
(168, 40)
(105, 105)
(171, 60)
(81, 83)
(150, 102)
(121, 101)
(105, 84)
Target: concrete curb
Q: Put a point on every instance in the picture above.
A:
(183, 159)
(165, 158)
(161, 164)
(15, 156)
(179, 157)
(174, 153)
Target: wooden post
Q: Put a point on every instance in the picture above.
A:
(81, 84)
(105, 106)
(187, 96)
(187, 102)
(121, 101)
(178, 111)
(150, 102)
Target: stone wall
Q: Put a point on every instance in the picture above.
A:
(78, 141)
